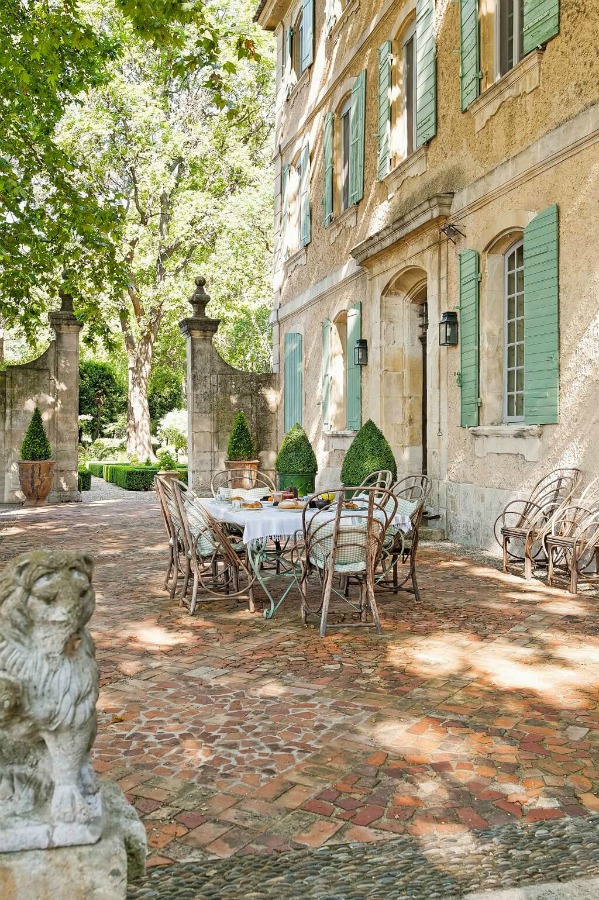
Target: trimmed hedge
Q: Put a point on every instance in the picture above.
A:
(367, 453)
(135, 478)
(84, 480)
(96, 468)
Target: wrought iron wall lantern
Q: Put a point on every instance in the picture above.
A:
(361, 352)
(448, 329)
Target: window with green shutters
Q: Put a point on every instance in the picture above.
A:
(384, 121)
(285, 210)
(353, 380)
(426, 72)
(469, 279)
(304, 197)
(326, 375)
(307, 35)
(541, 22)
(541, 319)
(327, 195)
(470, 73)
(293, 389)
(356, 149)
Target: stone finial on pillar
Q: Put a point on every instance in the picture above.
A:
(199, 324)
(65, 316)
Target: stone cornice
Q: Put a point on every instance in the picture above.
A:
(269, 13)
(199, 327)
(422, 216)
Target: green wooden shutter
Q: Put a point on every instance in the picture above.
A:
(541, 22)
(293, 391)
(384, 148)
(304, 196)
(284, 207)
(326, 375)
(307, 48)
(469, 52)
(356, 137)
(541, 319)
(469, 338)
(327, 194)
(353, 378)
(426, 72)
(288, 50)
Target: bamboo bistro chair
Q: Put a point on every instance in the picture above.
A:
(178, 562)
(342, 545)
(216, 560)
(523, 525)
(241, 482)
(381, 479)
(573, 547)
(411, 493)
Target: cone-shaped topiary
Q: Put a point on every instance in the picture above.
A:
(36, 445)
(296, 455)
(368, 452)
(241, 445)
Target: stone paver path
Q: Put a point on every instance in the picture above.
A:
(476, 710)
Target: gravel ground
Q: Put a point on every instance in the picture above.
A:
(433, 869)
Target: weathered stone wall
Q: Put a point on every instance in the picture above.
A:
(215, 393)
(530, 140)
(52, 383)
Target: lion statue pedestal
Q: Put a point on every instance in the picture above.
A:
(49, 797)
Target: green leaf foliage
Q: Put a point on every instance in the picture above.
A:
(84, 480)
(296, 455)
(165, 392)
(368, 452)
(241, 445)
(36, 445)
(102, 395)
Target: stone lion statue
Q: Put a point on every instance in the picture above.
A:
(48, 687)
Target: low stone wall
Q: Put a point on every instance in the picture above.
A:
(52, 383)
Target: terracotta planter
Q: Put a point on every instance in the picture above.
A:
(246, 476)
(36, 480)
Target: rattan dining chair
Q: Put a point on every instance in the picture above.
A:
(573, 547)
(383, 478)
(178, 563)
(401, 548)
(242, 482)
(217, 561)
(521, 529)
(342, 544)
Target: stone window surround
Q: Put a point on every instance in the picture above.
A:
(347, 219)
(511, 440)
(351, 7)
(522, 79)
(413, 165)
(340, 439)
(297, 259)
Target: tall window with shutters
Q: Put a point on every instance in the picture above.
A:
(343, 144)
(407, 90)
(520, 26)
(529, 288)
(341, 377)
(295, 214)
(293, 386)
(298, 52)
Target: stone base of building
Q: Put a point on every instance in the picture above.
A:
(97, 871)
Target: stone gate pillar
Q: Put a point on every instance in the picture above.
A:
(199, 331)
(65, 421)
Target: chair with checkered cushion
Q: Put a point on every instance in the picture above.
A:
(342, 545)
(400, 549)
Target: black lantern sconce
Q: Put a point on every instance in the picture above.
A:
(361, 352)
(448, 329)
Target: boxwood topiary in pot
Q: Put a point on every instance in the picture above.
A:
(368, 452)
(296, 462)
(36, 467)
(240, 452)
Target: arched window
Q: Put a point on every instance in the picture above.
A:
(514, 333)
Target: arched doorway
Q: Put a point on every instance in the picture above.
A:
(405, 389)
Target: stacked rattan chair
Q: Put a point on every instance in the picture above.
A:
(397, 570)
(572, 545)
(523, 526)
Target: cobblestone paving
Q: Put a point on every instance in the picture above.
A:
(476, 710)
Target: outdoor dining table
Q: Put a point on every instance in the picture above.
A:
(266, 534)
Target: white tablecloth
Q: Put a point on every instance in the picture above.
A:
(271, 522)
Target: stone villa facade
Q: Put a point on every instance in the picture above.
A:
(440, 157)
